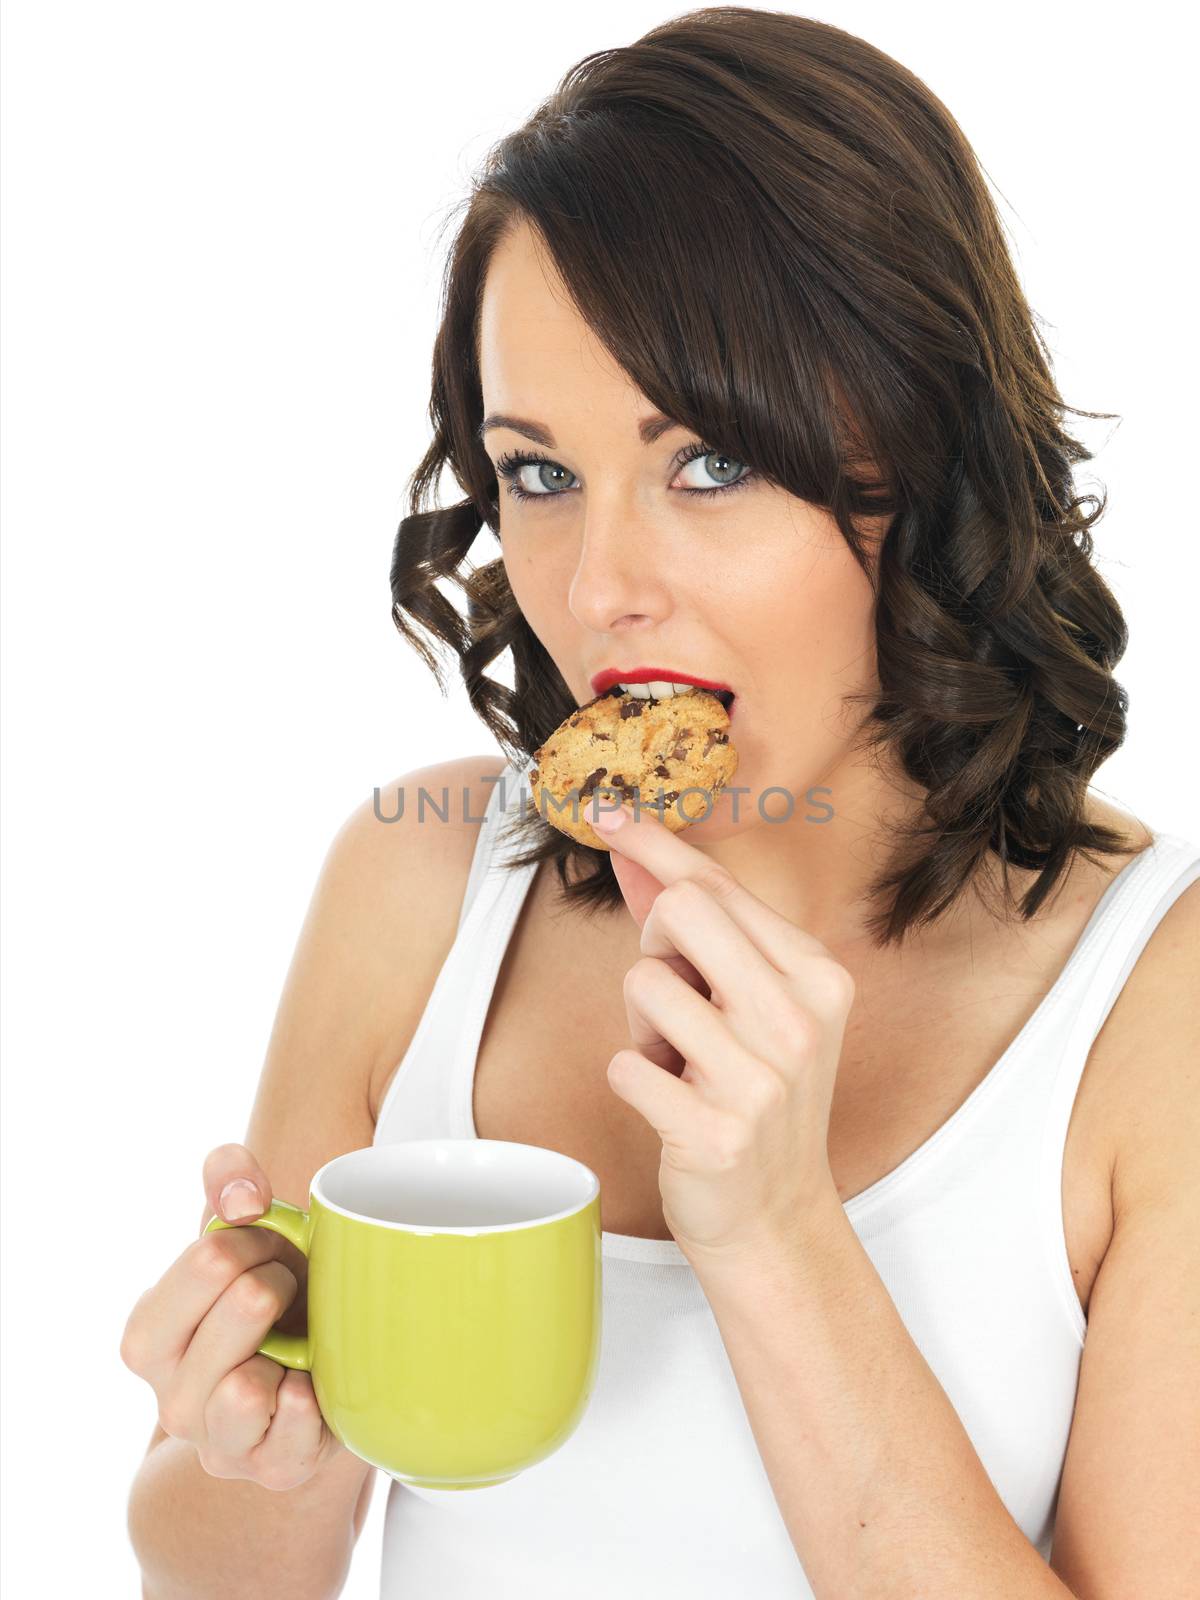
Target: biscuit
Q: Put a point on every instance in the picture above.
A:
(623, 746)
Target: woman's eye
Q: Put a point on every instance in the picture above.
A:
(544, 483)
(715, 473)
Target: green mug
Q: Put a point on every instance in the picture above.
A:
(454, 1304)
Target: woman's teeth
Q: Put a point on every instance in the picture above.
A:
(659, 690)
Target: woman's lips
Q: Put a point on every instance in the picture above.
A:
(611, 677)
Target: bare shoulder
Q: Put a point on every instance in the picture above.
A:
(1142, 1068)
(407, 848)
(425, 819)
(1147, 1055)
(402, 857)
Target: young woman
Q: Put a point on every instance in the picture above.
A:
(886, 1072)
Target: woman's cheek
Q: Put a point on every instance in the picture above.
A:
(538, 594)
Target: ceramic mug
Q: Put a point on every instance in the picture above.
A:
(454, 1304)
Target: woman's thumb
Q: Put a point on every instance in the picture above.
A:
(235, 1186)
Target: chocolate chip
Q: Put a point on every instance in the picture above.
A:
(633, 708)
(590, 782)
(662, 772)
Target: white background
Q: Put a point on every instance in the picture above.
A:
(220, 282)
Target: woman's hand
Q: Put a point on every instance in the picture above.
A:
(736, 1017)
(194, 1337)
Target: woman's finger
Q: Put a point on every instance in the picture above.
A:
(239, 1410)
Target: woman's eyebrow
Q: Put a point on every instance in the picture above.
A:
(649, 428)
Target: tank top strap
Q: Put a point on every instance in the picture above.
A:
(502, 800)
(429, 1095)
(1130, 909)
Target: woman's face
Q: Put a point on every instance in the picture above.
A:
(614, 564)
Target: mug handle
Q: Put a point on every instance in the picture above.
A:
(289, 1349)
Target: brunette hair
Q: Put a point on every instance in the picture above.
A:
(784, 239)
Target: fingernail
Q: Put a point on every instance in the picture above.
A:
(239, 1199)
(610, 821)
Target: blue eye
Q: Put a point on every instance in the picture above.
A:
(512, 462)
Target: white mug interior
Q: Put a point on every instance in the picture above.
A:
(466, 1186)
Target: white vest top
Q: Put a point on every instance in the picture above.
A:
(660, 1491)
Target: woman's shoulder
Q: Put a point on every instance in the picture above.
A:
(428, 816)
(410, 845)
(1089, 874)
(1169, 955)
(1093, 877)
(399, 866)
(1140, 1065)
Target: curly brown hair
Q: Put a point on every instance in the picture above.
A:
(845, 295)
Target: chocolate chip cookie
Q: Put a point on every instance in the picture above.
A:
(620, 747)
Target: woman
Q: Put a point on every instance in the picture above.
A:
(735, 366)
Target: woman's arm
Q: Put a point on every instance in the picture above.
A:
(1127, 1506)
(876, 1478)
(874, 1474)
(381, 917)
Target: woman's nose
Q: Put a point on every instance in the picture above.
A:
(619, 575)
